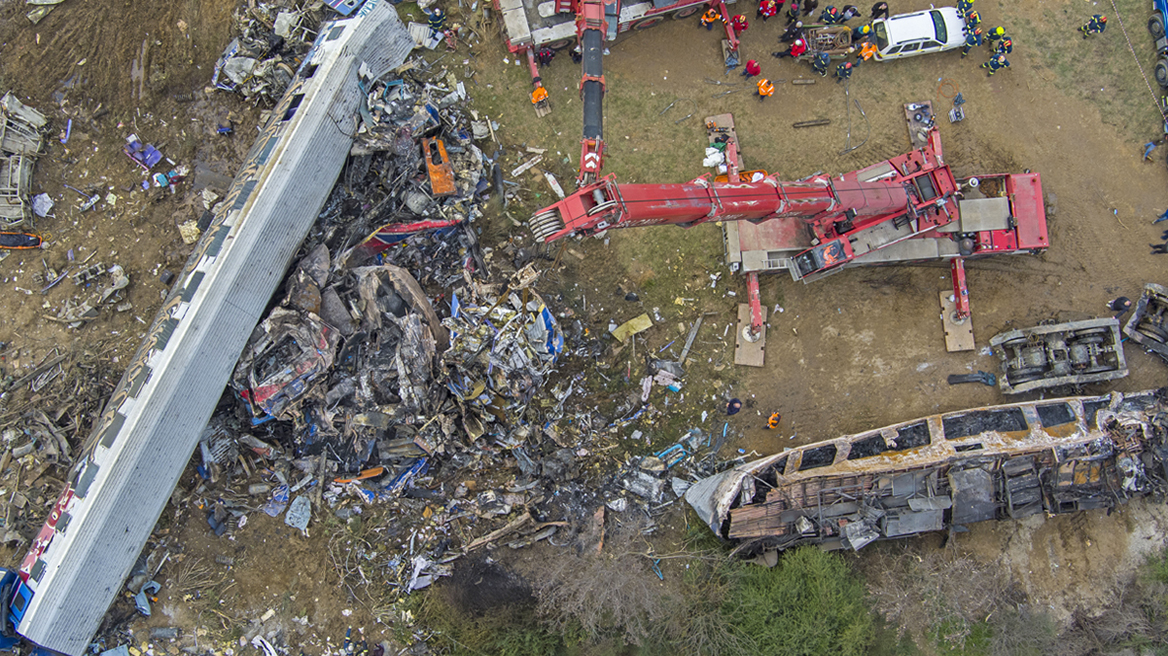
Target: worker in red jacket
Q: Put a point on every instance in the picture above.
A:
(797, 48)
(767, 9)
(739, 23)
(752, 69)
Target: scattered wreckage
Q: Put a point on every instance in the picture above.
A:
(261, 62)
(21, 129)
(1072, 353)
(944, 472)
(1148, 325)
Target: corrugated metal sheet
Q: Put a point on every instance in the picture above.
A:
(138, 451)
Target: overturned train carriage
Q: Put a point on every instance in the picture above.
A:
(944, 471)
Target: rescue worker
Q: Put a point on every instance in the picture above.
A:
(861, 33)
(972, 40)
(793, 31)
(997, 33)
(792, 13)
(880, 9)
(710, 17)
(820, 64)
(796, 49)
(437, 21)
(867, 51)
(538, 95)
(1096, 25)
(995, 64)
(849, 12)
(733, 406)
(843, 72)
(751, 69)
(767, 9)
(831, 16)
(545, 56)
(765, 89)
(577, 54)
(1005, 46)
(774, 420)
(739, 23)
(972, 20)
(964, 6)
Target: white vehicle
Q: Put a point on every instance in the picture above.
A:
(932, 30)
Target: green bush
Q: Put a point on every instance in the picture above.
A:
(809, 604)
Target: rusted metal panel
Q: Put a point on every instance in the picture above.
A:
(438, 165)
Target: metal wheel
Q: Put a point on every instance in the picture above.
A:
(648, 22)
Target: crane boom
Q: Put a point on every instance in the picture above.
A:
(590, 28)
(848, 216)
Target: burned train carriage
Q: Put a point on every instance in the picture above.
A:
(944, 471)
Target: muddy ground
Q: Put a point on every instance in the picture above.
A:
(858, 350)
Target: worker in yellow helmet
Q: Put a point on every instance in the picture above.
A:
(995, 34)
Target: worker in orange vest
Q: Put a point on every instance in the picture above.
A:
(773, 421)
(539, 95)
(867, 51)
(710, 17)
(765, 89)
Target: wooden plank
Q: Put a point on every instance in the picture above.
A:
(747, 353)
(958, 336)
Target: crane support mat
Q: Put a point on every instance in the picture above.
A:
(746, 352)
(958, 336)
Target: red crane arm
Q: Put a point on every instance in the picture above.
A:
(847, 214)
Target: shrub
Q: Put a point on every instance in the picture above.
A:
(809, 604)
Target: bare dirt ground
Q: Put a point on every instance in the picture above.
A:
(857, 350)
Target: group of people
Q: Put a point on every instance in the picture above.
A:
(795, 35)
(1000, 44)
(713, 16)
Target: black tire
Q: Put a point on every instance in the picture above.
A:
(686, 13)
(1161, 73)
(646, 23)
(1156, 27)
(560, 44)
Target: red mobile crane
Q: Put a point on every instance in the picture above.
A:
(820, 225)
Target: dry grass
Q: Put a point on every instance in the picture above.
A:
(605, 592)
(924, 590)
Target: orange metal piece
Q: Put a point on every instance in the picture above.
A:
(364, 474)
(438, 164)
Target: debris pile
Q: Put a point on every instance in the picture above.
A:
(20, 142)
(260, 63)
